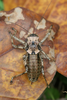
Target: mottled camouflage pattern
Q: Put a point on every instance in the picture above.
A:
(34, 67)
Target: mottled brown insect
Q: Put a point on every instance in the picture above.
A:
(33, 59)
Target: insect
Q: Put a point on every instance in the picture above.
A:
(33, 59)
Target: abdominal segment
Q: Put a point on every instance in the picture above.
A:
(34, 67)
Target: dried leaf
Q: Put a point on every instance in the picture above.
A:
(11, 62)
(59, 16)
(36, 5)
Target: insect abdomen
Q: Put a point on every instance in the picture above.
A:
(34, 67)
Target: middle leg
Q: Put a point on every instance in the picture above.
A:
(18, 75)
(25, 59)
(46, 56)
(26, 67)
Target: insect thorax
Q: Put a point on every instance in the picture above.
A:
(33, 44)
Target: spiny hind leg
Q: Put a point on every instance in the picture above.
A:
(44, 76)
(18, 75)
(43, 71)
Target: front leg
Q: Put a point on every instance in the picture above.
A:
(13, 36)
(15, 46)
(46, 35)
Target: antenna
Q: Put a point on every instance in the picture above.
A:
(19, 26)
(39, 21)
(31, 20)
(43, 15)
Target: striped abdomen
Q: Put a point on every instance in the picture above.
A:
(34, 67)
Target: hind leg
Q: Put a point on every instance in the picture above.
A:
(43, 71)
(44, 76)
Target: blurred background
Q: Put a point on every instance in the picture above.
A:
(59, 83)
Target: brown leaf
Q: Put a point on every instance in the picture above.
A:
(59, 16)
(38, 6)
(11, 62)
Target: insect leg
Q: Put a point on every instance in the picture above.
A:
(44, 76)
(18, 75)
(25, 59)
(46, 35)
(15, 46)
(43, 72)
(15, 31)
(46, 56)
(19, 40)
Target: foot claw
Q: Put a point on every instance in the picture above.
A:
(12, 28)
(11, 82)
(48, 86)
(9, 32)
